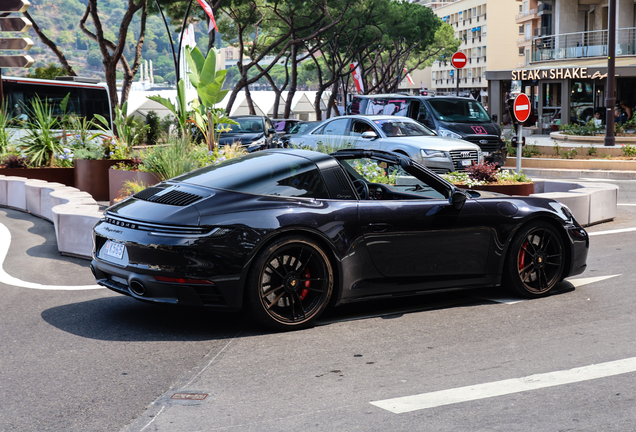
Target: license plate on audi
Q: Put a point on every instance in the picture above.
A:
(467, 162)
(114, 249)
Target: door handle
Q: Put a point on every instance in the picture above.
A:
(379, 227)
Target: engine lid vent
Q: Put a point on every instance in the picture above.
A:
(169, 196)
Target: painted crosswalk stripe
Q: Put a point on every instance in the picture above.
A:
(500, 388)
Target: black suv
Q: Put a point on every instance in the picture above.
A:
(253, 132)
(449, 116)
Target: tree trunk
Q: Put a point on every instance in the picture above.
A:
(294, 81)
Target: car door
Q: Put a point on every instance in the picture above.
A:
(421, 236)
(333, 134)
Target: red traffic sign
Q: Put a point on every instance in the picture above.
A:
(521, 107)
(459, 60)
(14, 5)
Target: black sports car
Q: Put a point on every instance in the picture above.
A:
(289, 232)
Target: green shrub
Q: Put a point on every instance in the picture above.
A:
(569, 154)
(154, 128)
(629, 150)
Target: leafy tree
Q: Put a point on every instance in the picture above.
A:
(49, 72)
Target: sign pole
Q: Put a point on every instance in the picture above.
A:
(519, 143)
(522, 108)
(457, 78)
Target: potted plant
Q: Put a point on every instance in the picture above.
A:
(486, 176)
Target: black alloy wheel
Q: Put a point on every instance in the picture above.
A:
(290, 284)
(536, 261)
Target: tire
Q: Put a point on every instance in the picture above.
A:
(536, 260)
(290, 284)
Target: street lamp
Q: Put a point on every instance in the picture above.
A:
(610, 99)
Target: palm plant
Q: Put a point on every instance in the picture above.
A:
(42, 141)
(5, 132)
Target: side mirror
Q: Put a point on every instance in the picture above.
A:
(271, 131)
(494, 118)
(368, 135)
(457, 199)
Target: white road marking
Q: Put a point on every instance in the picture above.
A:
(505, 387)
(5, 278)
(585, 281)
(616, 231)
(576, 282)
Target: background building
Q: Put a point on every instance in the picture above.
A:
(565, 70)
(486, 46)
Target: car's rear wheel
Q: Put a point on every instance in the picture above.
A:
(290, 284)
(536, 260)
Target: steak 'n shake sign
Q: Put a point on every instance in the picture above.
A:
(554, 74)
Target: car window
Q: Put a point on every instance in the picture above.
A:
(263, 174)
(246, 125)
(388, 106)
(336, 127)
(398, 128)
(376, 171)
(459, 110)
(358, 127)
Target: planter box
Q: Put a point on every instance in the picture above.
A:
(65, 176)
(91, 175)
(524, 189)
(117, 178)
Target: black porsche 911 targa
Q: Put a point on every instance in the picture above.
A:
(286, 233)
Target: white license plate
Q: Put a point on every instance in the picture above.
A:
(485, 153)
(467, 162)
(113, 249)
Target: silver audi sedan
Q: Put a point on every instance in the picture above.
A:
(395, 134)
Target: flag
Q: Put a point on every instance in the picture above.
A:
(408, 76)
(188, 37)
(357, 77)
(208, 10)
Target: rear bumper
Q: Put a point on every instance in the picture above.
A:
(222, 294)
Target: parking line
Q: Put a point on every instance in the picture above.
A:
(5, 278)
(616, 231)
(505, 387)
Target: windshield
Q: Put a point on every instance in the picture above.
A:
(400, 128)
(301, 127)
(459, 110)
(246, 125)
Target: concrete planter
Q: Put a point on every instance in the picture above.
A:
(91, 175)
(578, 164)
(524, 189)
(65, 176)
(117, 178)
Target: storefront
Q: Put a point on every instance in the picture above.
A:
(560, 95)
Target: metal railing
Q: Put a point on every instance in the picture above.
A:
(582, 45)
(525, 14)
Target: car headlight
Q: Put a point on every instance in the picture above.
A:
(447, 133)
(259, 142)
(427, 153)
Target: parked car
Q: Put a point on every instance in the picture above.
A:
(449, 116)
(283, 126)
(396, 134)
(299, 129)
(289, 232)
(253, 132)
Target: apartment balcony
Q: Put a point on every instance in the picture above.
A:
(526, 16)
(582, 45)
(525, 41)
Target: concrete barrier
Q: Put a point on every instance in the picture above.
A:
(590, 202)
(73, 212)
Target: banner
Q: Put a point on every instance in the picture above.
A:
(357, 78)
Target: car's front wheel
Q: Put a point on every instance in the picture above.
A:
(290, 284)
(536, 260)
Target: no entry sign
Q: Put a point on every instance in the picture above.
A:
(521, 107)
(459, 60)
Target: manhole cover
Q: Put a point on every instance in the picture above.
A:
(189, 396)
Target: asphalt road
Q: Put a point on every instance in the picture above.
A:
(91, 360)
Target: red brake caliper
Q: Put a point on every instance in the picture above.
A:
(522, 255)
(304, 291)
